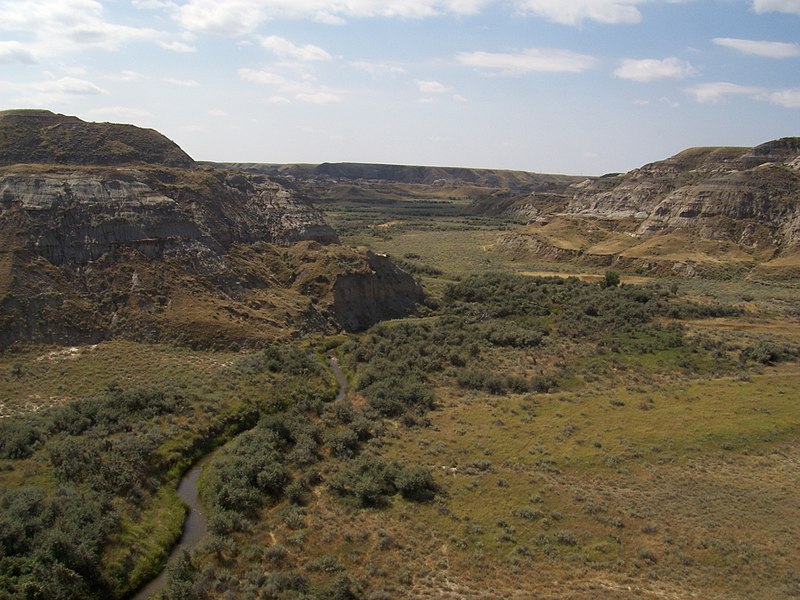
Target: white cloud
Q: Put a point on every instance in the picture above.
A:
(575, 12)
(15, 53)
(760, 48)
(51, 91)
(69, 85)
(153, 4)
(711, 93)
(319, 97)
(786, 6)
(283, 47)
(217, 112)
(178, 46)
(431, 87)
(238, 17)
(651, 69)
(58, 26)
(182, 82)
(376, 68)
(789, 98)
(304, 89)
(126, 76)
(263, 77)
(542, 60)
(75, 70)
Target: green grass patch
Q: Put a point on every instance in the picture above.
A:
(140, 550)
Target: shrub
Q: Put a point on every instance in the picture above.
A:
(416, 483)
(343, 443)
(566, 537)
(611, 279)
(769, 353)
(19, 437)
(370, 480)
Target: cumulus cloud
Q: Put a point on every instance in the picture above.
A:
(575, 12)
(238, 17)
(283, 47)
(541, 60)
(785, 6)
(760, 48)
(305, 89)
(651, 69)
(12, 53)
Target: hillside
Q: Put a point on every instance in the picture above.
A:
(40, 136)
(702, 209)
(143, 244)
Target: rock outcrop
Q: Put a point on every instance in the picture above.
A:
(76, 216)
(379, 292)
(702, 207)
(721, 193)
(145, 244)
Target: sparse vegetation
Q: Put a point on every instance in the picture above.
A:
(519, 434)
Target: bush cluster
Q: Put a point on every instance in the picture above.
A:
(371, 480)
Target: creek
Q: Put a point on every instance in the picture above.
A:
(195, 526)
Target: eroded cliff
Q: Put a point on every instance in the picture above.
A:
(697, 210)
(196, 255)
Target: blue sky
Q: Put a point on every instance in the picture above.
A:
(568, 86)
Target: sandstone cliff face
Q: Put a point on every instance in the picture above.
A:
(722, 193)
(78, 216)
(116, 233)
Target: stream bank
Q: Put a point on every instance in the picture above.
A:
(195, 526)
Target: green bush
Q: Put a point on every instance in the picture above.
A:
(368, 479)
(416, 483)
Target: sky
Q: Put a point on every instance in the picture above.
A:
(580, 87)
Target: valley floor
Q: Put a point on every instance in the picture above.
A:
(527, 435)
